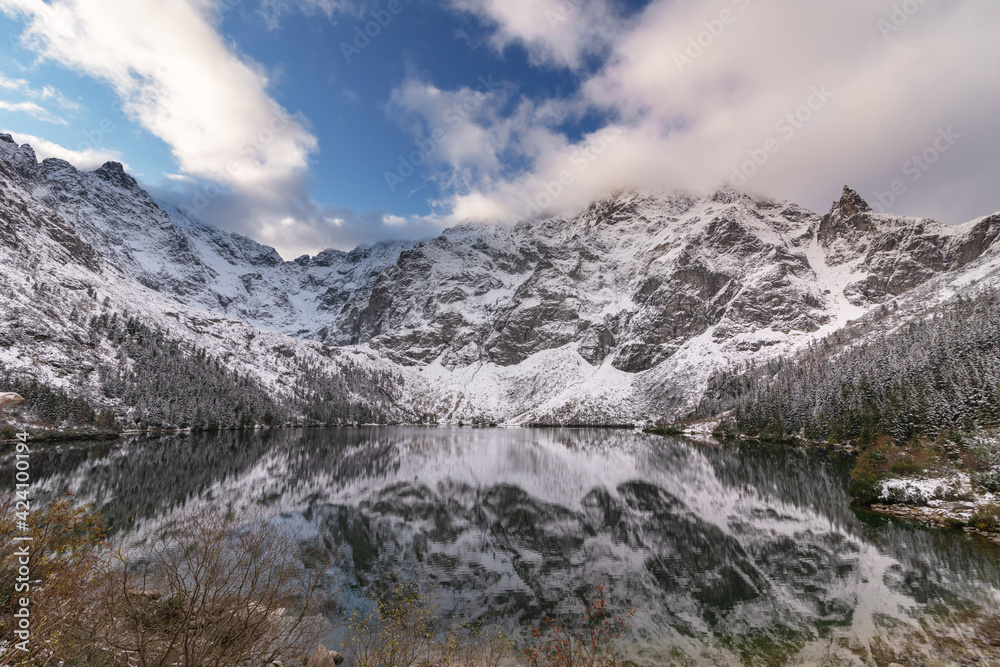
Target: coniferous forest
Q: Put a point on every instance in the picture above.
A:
(939, 373)
(159, 382)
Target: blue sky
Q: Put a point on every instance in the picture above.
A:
(345, 102)
(249, 114)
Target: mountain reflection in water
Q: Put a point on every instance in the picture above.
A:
(717, 547)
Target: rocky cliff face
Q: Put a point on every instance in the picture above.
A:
(627, 282)
(635, 278)
(198, 265)
(897, 253)
(617, 314)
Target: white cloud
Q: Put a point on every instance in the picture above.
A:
(44, 93)
(272, 10)
(33, 110)
(692, 90)
(460, 128)
(180, 80)
(559, 32)
(88, 159)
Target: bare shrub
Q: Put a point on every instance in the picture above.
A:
(213, 590)
(63, 558)
(405, 630)
(594, 644)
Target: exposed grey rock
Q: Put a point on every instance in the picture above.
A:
(659, 286)
(897, 253)
(114, 173)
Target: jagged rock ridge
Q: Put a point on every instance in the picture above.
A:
(617, 314)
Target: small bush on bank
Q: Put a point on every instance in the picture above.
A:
(64, 554)
(886, 459)
(869, 472)
(594, 644)
(982, 456)
(989, 480)
(405, 630)
(986, 517)
(906, 466)
(213, 590)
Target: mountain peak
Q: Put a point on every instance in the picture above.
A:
(847, 217)
(20, 158)
(727, 194)
(850, 204)
(114, 173)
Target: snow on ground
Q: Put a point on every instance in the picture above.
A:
(833, 281)
(637, 268)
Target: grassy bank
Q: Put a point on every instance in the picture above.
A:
(951, 481)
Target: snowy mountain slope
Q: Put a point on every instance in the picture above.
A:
(53, 284)
(629, 280)
(201, 266)
(628, 309)
(897, 253)
(619, 314)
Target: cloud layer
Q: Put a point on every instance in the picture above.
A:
(87, 159)
(554, 32)
(784, 98)
(181, 81)
(176, 76)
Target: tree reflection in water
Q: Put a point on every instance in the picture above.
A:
(720, 548)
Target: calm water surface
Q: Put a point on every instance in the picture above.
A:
(723, 550)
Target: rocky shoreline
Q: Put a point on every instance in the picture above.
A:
(954, 515)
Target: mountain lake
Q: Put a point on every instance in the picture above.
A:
(728, 554)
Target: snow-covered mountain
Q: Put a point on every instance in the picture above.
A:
(71, 318)
(201, 266)
(619, 314)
